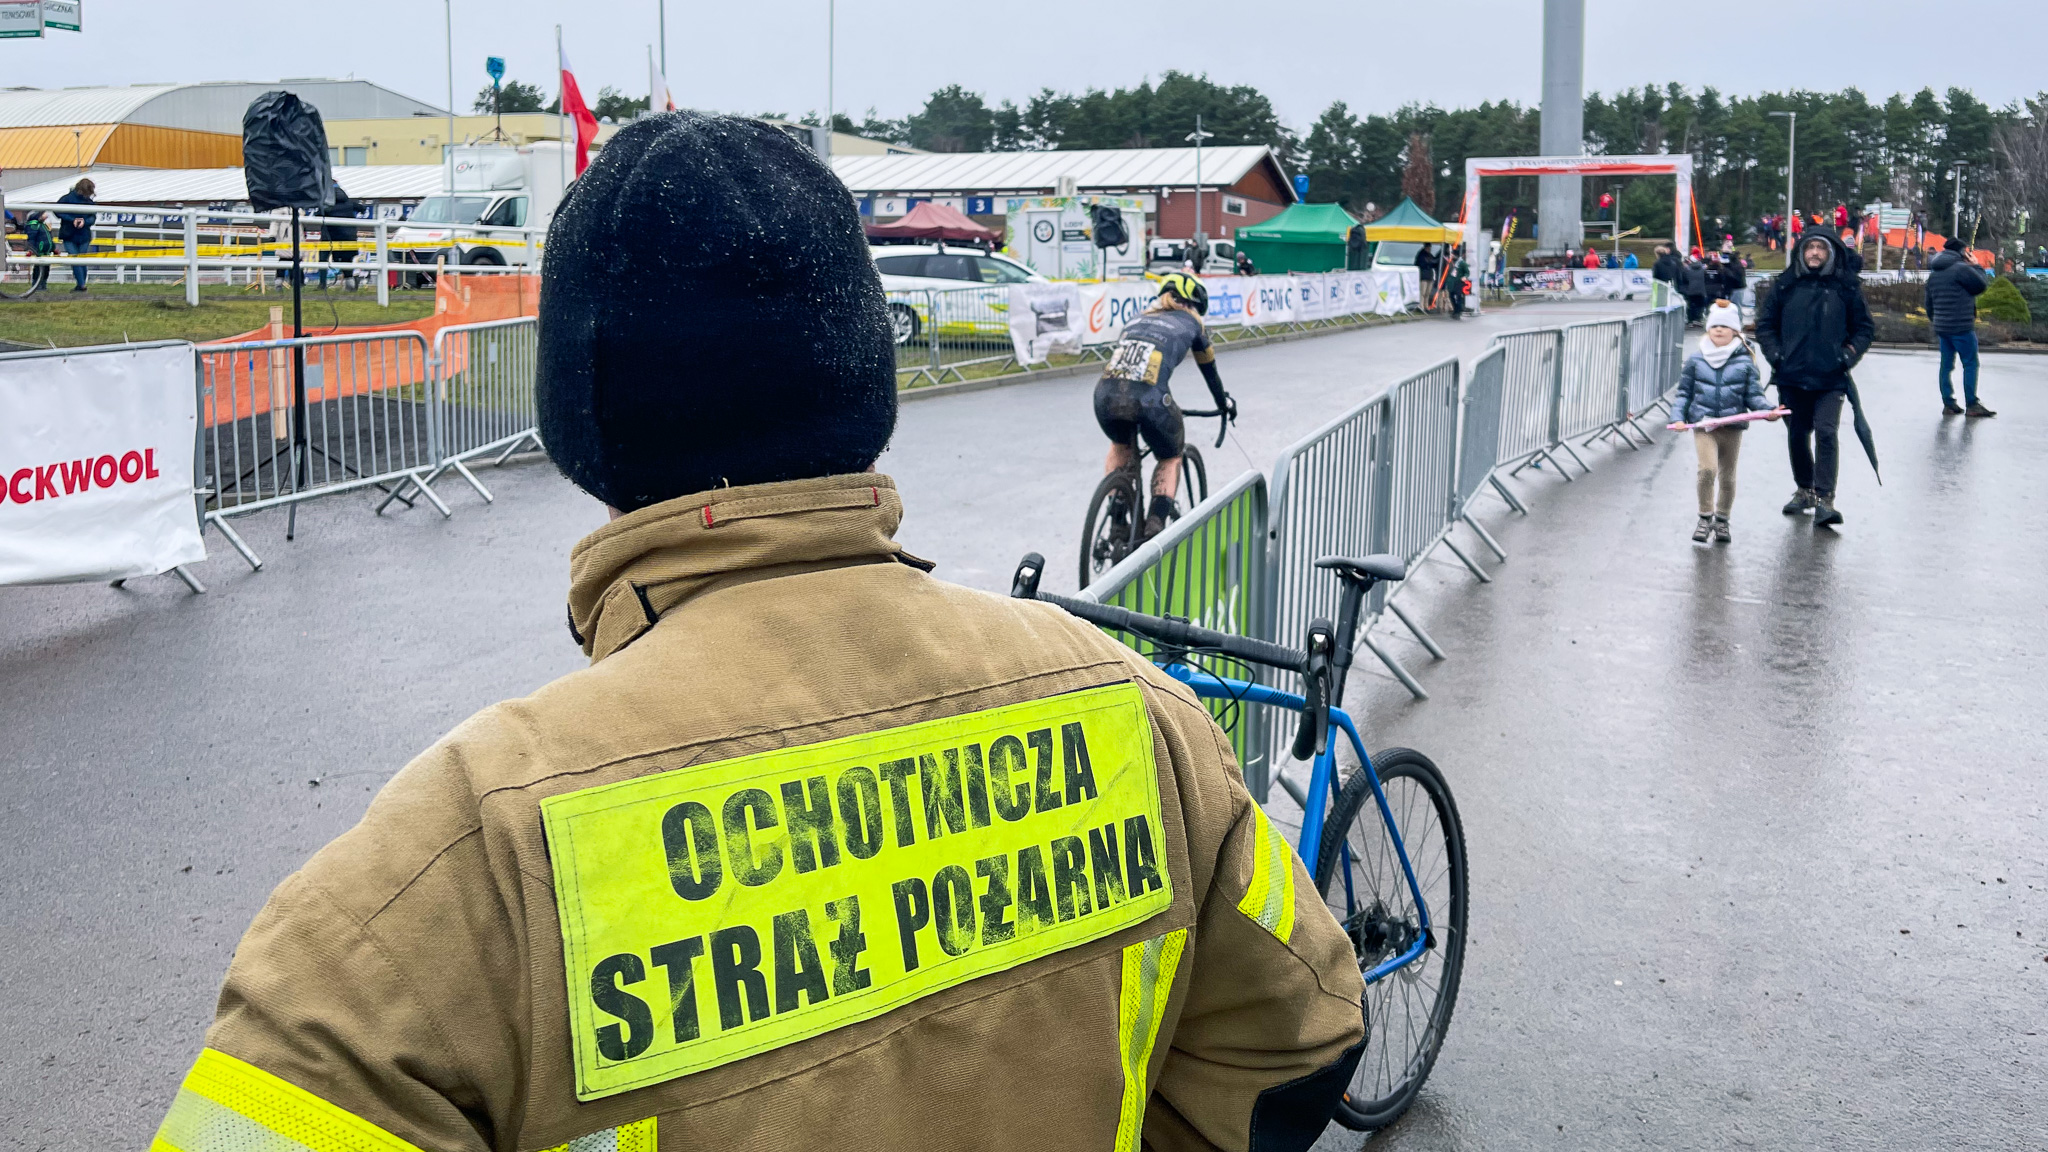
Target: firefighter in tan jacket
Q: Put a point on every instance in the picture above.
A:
(820, 851)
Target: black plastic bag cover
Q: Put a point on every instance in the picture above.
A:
(284, 154)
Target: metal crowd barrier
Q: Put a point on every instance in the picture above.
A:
(942, 330)
(1207, 567)
(483, 391)
(1395, 473)
(366, 418)
(388, 410)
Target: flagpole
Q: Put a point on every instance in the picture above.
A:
(448, 17)
(561, 107)
(661, 9)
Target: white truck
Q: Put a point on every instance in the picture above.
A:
(498, 211)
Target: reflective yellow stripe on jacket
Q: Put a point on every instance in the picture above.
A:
(1269, 899)
(1149, 968)
(230, 1105)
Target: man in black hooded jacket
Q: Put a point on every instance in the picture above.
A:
(1814, 327)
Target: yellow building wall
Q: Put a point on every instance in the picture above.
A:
(146, 146)
(53, 147)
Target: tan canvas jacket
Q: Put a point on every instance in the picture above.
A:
(412, 986)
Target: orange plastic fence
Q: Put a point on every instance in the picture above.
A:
(252, 381)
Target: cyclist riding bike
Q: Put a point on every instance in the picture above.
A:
(1134, 398)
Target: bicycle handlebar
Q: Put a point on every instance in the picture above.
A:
(1175, 633)
(1222, 427)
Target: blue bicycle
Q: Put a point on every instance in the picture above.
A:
(1393, 874)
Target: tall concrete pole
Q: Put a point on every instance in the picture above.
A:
(1564, 122)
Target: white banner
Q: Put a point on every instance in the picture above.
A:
(96, 463)
(1044, 318)
(1612, 283)
(1396, 289)
(1106, 308)
(1308, 296)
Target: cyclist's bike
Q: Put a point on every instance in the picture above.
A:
(1116, 513)
(1385, 847)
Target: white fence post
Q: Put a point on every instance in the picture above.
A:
(383, 265)
(191, 257)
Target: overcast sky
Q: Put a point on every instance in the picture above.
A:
(769, 55)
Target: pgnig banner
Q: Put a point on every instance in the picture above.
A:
(96, 465)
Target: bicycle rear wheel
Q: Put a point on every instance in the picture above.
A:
(1114, 521)
(1360, 877)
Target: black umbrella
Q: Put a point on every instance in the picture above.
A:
(1863, 428)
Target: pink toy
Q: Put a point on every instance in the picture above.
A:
(1724, 421)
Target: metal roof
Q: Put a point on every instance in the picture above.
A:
(1031, 172)
(225, 185)
(38, 107)
(211, 107)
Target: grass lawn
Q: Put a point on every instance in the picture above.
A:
(113, 313)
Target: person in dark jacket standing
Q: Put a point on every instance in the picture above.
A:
(74, 232)
(1953, 285)
(1693, 285)
(1814, 327)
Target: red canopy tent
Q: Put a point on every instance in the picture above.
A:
(929, 221)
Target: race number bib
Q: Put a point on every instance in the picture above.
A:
(714, 912)
(1135, 360)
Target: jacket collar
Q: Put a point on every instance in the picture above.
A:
(625, 575)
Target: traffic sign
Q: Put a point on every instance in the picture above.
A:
(64, 14)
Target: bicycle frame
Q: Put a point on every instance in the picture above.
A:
(1322, 784)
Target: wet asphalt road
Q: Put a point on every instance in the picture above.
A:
(1788, 794)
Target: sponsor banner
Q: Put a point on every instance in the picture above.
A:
(1044, 318)
(1308, 296)
(1270, 300)
(1227, 300)
(1396, 289)
(1612, 283)
(1539, 280)
(1106, 308)
(1360, 293)
(96, 465)
(714, 912)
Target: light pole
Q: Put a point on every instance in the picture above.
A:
(661, 19)
(1198, 136)
(1956, 213)
(832, 17)
(1791, 153)
(448, 34)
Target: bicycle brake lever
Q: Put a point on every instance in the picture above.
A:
(1316, 676)
(1024, 584)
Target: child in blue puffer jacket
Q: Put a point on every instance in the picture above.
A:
(1719, 380)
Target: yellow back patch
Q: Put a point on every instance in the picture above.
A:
(715, 912)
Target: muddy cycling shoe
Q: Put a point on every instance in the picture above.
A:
(1157, 517)
(1721, 530)
(1979, 410)
(1825, 515)
(1951, 408)
(1699, 534)
(1801, 501)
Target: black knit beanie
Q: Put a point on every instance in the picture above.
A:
(709, 315)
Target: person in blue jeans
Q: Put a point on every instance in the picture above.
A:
(74, 232)
(1953, 285)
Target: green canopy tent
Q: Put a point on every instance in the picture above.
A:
(1303, 238)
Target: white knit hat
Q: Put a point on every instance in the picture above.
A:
(1724, 315)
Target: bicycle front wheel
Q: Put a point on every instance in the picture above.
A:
(1359, 875)
(1194, 480)
(1111, 530)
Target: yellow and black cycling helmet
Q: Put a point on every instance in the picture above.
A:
(1189, 289)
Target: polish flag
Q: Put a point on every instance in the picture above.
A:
(660, 99)
(573, 106)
